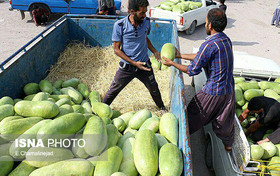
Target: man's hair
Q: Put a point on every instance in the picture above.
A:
(218, 19)
(135, 4)
(222, 1)
(255, 104)
(36, 7)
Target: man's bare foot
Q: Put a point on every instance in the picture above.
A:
(163, 110)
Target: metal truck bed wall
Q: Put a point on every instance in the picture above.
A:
(32, 62)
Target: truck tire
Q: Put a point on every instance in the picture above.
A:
(208, 154)
(43, 6)
(192, 82)
(191, 29)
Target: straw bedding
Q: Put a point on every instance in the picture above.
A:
(96, 67)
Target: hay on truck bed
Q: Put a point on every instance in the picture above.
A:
(96, 67)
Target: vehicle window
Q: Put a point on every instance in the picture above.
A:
(210, 2)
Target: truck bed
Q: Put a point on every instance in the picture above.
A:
(32, 62)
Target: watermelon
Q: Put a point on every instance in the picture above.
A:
(238, 80)
(23, 169)
(45, 86)
(58, 154)
(6, 100)
(274, 166)
(120, 124)
(256, 152)
(146, 153)
(94, 97)
(151, 124)
(45, 109)
(111, 164)
(41, 96)
(95, 136)
(31, 88)
(239, 98)
(271, 94)
(168, 51)
(161, 140)
(246, 86)
(70, 83)
(251, 93)
(6, 165)
(139, 118)
(6, 111)
(112, 133)
(168, 127)
(58, 84)
(127, 116)
(269, 150)
(77, 166)
(102, 109)
(83, 89)
(170, 160)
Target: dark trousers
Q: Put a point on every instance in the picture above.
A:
(219, 110)
(127, 73)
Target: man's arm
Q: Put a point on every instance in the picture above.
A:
(152, 49)
(273, 137)
(121, 54)
(169, 63)
(188, 56)
(184, 56)
(244, 115)
(254, 127)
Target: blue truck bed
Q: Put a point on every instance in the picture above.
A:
(32, 62)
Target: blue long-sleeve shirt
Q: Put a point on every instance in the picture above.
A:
(215, 54)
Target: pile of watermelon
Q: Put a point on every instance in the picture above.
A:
(117, 144)
(267, 153)
(179, 6)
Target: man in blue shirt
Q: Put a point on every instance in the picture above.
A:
(276, 16)
(131, 44)
(216, 101)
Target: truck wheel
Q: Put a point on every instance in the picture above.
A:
(40, 6)
(191, 29)
(192, 83)
(208, 155)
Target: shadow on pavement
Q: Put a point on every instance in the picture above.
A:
(230, 22)
(244, 43)
(199, 34)
(4, 1)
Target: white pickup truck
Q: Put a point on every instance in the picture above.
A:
(186, 21)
